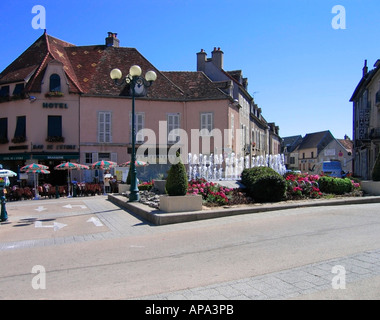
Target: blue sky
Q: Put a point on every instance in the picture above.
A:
(301, 71)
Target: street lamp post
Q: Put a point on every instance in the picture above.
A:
(138, 86)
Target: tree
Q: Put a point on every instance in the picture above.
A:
(177, 182)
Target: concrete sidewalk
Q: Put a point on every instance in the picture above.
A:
(313, 281)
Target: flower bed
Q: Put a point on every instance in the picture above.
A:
(146, 186)
(212, 193)
(306, 186)
(301, 186)
(298, 187)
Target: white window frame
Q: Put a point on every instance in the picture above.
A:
(139, 125)
(174, 124)
(206, 122)
(104, 126)
(232, 126)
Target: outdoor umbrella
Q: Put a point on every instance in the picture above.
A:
(69, 166)
(138, 163)
(34, 166)
(35, 170)
(4, 173)
(103, 165)
(7, 173)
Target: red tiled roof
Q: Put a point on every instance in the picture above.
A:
(347, 144)
(88, 67)
(196, 85)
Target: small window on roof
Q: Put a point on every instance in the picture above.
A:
(4, 91)
(19, 87)
(55, 83)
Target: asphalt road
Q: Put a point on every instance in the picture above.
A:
(88, 248)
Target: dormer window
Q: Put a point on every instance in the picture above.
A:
(55, 83)
(19, 87)
(4, 91)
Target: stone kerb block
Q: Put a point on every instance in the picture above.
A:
(180, 203)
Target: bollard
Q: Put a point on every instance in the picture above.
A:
(4, 215)
(75, 190)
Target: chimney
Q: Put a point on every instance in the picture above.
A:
(112, 40)
(201, 60)
(365, 69)
(217, 58)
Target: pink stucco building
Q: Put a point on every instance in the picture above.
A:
(58, 103)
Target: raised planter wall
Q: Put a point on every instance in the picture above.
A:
(123, 188)
(180, 203)
(371, 187)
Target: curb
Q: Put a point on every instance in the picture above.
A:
(159, 218)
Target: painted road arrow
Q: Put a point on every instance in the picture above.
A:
(40, 208)
(95, 221)
(56, 225)
(69, 206)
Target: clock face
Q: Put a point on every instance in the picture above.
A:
(139, 89)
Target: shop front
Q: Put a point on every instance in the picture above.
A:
(56, 177)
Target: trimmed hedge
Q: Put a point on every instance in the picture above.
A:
(176, 182)
(335, 185)
(263, 184)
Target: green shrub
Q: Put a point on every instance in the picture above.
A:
(376, 169)
(264, 184)
(176, 182)
(335, 185)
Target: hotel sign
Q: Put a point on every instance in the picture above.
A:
(54, 105)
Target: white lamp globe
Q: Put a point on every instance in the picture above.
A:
(150, 76)
(116, 74)
(135, 71)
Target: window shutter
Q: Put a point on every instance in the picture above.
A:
(207, 121)
(104, 127)
(173, 126)
(140, 119)
(101, 127)
(108, 127)
(139, 125)
(95, 156)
